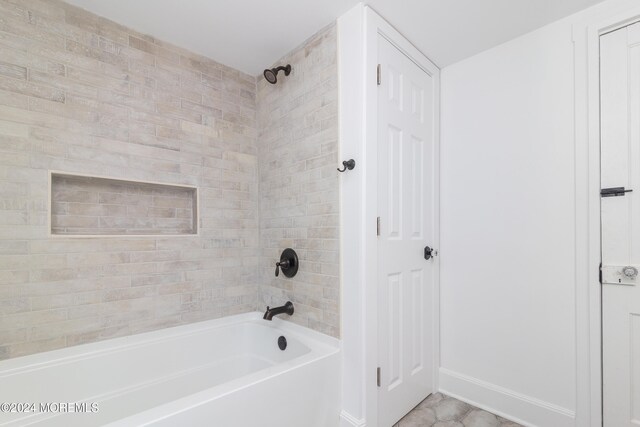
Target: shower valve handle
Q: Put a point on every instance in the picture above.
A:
(288, 264)
(281, 264)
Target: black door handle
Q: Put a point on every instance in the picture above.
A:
(428, 253)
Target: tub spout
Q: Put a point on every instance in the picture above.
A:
(285, 309)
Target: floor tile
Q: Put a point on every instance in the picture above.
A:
(450, 409)
(439, 410)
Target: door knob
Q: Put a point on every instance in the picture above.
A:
(429, 252)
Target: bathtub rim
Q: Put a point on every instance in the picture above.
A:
(316, 341)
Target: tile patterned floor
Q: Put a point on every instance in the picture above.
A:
(439, 410)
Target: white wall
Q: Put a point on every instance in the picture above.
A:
(508, 215)
(351, 60)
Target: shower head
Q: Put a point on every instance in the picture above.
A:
(271, 75)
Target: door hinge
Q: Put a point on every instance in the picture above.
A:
(600, 273)
(378, 376)
(378, 226)
(379, 75)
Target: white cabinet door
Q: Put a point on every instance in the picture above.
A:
(620, 167)
(406, 143)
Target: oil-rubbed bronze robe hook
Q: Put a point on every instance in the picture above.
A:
(348, 164)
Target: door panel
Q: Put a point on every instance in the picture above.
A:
(620, 167)
(394, 176)
(417, 188)
(406, 145)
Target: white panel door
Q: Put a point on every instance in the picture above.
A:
(406, 145)
(620, 167)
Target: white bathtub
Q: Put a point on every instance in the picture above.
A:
(219, 373)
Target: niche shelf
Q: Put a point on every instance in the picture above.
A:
(83, 205)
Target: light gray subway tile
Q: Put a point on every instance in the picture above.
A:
(139, 108)
(303, 117)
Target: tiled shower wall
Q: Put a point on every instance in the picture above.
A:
(81, 94)
(299, 200)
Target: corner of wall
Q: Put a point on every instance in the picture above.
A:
(298, 152)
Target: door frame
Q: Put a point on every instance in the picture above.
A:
(586, 37)
(358, 32)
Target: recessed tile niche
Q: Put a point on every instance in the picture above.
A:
(94, 206)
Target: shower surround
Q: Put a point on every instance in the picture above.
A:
(299, 203)
(83, 95)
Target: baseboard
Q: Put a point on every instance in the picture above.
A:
(347, 420)
(506, 403)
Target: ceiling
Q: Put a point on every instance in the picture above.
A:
(250, 35)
